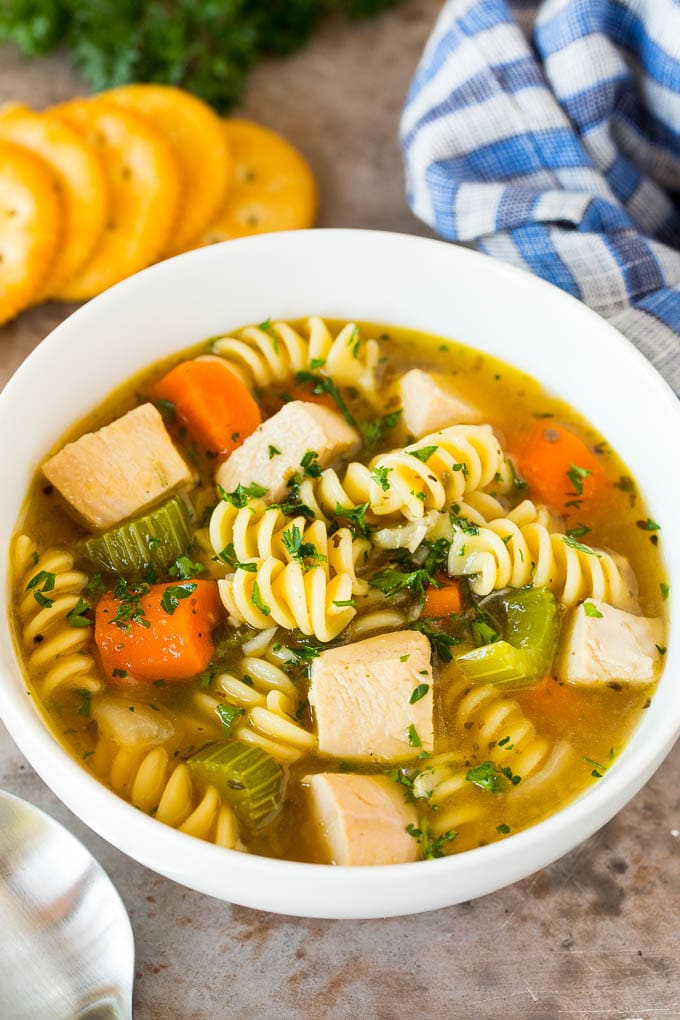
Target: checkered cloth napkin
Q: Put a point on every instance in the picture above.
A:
(548, 134)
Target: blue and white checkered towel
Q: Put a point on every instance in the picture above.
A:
(548, 134)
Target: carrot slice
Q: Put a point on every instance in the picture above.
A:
(561, 470)
(211, 401)
(443, 601)
(158, 631)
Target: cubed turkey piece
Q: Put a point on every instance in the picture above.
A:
(361, 697)
(119, 470)
(600, 645)
(362, 819)
(272, 454)
(429, 405)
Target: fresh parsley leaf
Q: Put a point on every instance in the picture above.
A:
(413, 737)
(167, 408)
(423, 453)
(591, 610)
(323, 384)
(355, 517)
(573, 544)
(441, 643)
(85, 703)
(579, 531)
(228, 715)
(241, 494)
(418, 692)
(486, 777)
(94, 587)
(120, 673)
(503, 829)
(649, 525)
(174, 594)
(76, 617)
(305, 553)
(257, 601)
(390, 581)
(665, 590)
(379, 475)
(228, 555)
(598, 769)
(433, 847)
(373, 431)
(42, 600)
(184, 567)
(303, 653)
(45, 579)
(310, 468)
(576, 475)
(342, 603)
(273, 451)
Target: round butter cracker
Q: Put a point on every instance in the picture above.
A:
(197, 139)
(80, 179)
(272, 185)
(30, 227)
(144, 189)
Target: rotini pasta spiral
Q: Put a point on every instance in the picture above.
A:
(505, 553)
(56, 650)
(158, 785)
(499, 732)
(435, 473)
(269, 701)
(286, 594)
(259, 532)
(273, 352)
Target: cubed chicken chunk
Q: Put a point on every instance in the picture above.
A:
(601, 645)
(372, 700)
(119, 470)
(276, 450)
(428, 404)
(362, 819)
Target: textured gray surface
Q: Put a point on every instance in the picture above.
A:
(594, 935)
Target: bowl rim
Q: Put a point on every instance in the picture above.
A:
(76, 787)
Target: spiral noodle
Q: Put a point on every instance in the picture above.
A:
(269, 700)
(518, 552)
(158, 785)
(465, 458)
(57, 650)
(257, 532)
(285, 594)
(487, 718)
(261, 356)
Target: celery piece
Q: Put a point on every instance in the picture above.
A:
(153, 541)
(498, 664)
(248, 778)
(532, 624)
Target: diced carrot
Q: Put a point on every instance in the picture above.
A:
(443, 601)
(164, 634)
(560, 469)
(217, 409)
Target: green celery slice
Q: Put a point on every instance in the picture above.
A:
(154, 540)
(499, 663)
(248, 778)
(533, 623)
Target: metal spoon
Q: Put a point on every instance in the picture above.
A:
(66, 945)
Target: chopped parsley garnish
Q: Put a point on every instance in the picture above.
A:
(228, 555)
(483, 633)
(130, 594)
(174, 594)
(311, 469)
(486, 777)
(343, 603)
(418, 692)
(85, 703)
(354, 341)
(273, 451)
(433, 846)
(121, 673)
(303, 653)
(423, 453)
(46, 580)
(514, 779)
(598, 769)
(166, 407)
(503, 829)
(184, 567)
(591, 610)
(579, 531)
(576, 476)
(379, 475)
(649, 525)
(241, 494)
(355, 517)
(317, 363)
(665, 590)
(404, 658)
(441, 643)
(373, 431)
(573, 544)
(228, 715)
(413, 737)
(305, 553)
(257, 601)
(322, 384)
(77, 618)
(660, 649)
(390, 581)
(94, 587)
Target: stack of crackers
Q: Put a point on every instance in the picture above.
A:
(95, 189)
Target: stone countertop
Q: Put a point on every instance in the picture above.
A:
(594, 935)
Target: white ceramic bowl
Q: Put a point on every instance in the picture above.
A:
(386, 278)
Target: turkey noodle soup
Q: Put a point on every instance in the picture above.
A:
(340, 593)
